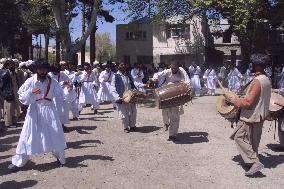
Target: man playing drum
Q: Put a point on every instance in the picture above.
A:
(127, 112)
(254, 110)
(171, 116)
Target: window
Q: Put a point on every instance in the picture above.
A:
(176, 31)
(136, 35)
(227, 36)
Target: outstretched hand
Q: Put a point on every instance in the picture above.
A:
(36, 90)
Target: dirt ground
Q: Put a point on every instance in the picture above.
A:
(101, 155)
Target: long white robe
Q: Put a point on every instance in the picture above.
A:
(42, 131)
(64, 113)
(137, 76)
(210, 76)
(195, 77)
(234, 80)
(88, 94)
(104, 93)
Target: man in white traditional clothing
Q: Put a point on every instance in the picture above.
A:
(104, 93)
(42, 131)
(234, 79)
(63, 80)
(137, 76)
(127, 112)
(72, 97)
(210, 78)
(89, 85)
(171, 116)
(195, 72)
(222, 74)
(248, 76)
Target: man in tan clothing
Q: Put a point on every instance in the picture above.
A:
(254, 109)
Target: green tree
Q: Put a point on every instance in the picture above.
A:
(105, 48)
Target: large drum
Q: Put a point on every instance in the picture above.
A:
(172, 95)
(274, 109)
(226, 110)
(133, 96)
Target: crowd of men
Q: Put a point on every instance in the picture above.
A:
(44, 94)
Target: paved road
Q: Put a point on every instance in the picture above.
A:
(101, 155)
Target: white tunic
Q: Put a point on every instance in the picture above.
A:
(210, 76)
(181, 75)
(104, 93)
(234, 80)
(195, 76)
(222, 73)
(248, 76)
(137, 76)
(88, 94)
(42, 131)
(68, 96)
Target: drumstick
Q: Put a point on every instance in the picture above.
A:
(221, 86)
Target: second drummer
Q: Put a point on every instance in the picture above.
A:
(254, 110)
(171, 116)
(127, 112)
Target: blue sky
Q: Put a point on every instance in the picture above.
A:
(76, 25)
(120, 18)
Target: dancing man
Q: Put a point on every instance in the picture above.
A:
(171, 116)
(42, 131)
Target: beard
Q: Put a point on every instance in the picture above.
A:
(41, 76)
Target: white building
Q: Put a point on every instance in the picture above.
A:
(146, 42)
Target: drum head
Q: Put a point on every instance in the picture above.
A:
(127, 96)
(274, 98)
(223, 107)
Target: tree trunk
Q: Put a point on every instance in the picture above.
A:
(46, 36)
(83, 49)
(57, 51)
(93, 46)
(69, 50)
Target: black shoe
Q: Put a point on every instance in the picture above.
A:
(256, 167)
(133, 129)
(166, 127)
(126, 130)
(172, 138)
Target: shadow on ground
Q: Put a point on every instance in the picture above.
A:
(147, 129)
(82, 129)
(192, 138)
(15, 184)
(71, 162)
(81, 144)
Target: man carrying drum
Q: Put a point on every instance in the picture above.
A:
(254, 110)
(171, 116)
(121, 82)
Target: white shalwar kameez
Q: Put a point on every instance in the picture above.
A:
(88, 94)
(195, 79)
(234, 80)
(248, 77)
(137, 76)
(63, 110)
(171, 116)
(210, 77)
(104, 93)
(42, 131)
(73, 104)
